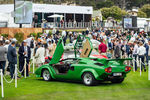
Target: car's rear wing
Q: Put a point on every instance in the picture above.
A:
(121, 61)
(106, 61)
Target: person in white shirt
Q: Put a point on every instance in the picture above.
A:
(54, 31)
(141, 52)
(64, 37)
(50, 47)
(90, 36)
(40, 55)
(135, 49)
(28, 41)
(63, 33)
(6, 46)
(1, 38)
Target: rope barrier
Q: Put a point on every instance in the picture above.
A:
(20, 71)
(3, 77)
(12, 77)
(32, 63)
(138, 62)
(10, 80)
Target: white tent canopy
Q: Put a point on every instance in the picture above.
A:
(3, 17)
(55, 16)
(51, 8)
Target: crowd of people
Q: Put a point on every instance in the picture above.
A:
(127, 44)
(113, 44)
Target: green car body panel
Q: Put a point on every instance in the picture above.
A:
(79, 66)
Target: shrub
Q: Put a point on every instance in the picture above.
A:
(50, 33)
(38, 35)
(33, 34)
(19, 37)
(141, 14)
(4, 35)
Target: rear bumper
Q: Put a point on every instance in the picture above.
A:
(108, 77)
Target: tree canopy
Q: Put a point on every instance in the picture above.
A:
(146, 10)
(114, 12)
(142, 14)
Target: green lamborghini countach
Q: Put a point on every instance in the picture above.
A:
(83, 68)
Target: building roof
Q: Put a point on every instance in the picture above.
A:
(51, 8)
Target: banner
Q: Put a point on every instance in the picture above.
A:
(23, 12)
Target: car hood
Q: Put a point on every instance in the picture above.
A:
(58, 52)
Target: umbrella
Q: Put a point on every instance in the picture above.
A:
(55, 16)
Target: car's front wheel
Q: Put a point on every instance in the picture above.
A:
(117, 80)
(88, 79)
(46, 75)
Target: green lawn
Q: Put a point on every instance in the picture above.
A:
(133, 88)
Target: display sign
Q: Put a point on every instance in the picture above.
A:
(127, 22)
(23, 12)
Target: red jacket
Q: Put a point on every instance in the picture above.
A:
(102, 48)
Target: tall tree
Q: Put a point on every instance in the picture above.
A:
(146, 9)
(107, 3)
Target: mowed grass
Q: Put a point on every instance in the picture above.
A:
(133, 88)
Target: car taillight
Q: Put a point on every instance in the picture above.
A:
(127, 68)
(108, 70)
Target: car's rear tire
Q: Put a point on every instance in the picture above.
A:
(117, 80)
(88, 79)
(46, 75)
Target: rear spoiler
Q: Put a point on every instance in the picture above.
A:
(121, 61)
(106, 61)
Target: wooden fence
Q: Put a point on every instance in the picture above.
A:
(25, 31)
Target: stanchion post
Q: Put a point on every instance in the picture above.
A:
(137, 61)
(140, 67)
(2, 87)
(16, 76)
(133, 61)
(25, 68)
(33, 65)
(149, 70)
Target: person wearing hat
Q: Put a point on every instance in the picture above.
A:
(12, 57)
(6, 46)
(40, 55)
(24, 53)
